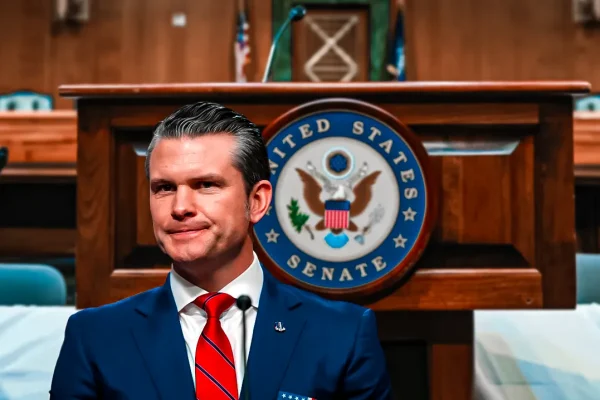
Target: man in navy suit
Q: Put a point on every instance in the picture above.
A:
(209, 184)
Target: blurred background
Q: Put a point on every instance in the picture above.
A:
(48, 43)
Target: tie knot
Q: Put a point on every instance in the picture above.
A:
(214, 304)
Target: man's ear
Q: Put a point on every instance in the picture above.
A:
(259, 200)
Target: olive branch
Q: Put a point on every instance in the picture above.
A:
(298, 218)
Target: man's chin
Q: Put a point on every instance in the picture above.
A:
(188, 257)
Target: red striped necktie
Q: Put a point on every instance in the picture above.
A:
(215, 366)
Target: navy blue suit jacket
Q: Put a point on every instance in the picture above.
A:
(134, 349)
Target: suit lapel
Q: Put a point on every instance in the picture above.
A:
(270, 350)
(161, 343)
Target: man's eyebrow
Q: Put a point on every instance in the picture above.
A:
(209, 177)
(202, 177)
(157, 181)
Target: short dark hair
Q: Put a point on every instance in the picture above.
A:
(205, 118)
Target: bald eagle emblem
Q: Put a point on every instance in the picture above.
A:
(336, 213)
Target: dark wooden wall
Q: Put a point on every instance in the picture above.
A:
(133, 41)
(129, 41)
(499, 40)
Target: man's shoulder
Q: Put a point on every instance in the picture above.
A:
(326, 308)
(112, 313)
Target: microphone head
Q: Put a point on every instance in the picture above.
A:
(297, 13)
(243, 302)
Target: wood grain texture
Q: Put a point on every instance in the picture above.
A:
(39, 137)
(131, 42)
(451, 369)
(95, 208)
(512, 88)
(144, 226)
(492, 245)
(32, 173)
(464, 289)
(500, 214)
(125, 197)
(555, 214)
(127, 42)
(586, 149)
(410, 114)
(451, 358)
(15, 242)
(498, 40)
(37, 186)
(586, 140)
(449, 342)
(448, 338)
(452, 289)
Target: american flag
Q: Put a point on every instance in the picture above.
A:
(337, 214)
(242, 47)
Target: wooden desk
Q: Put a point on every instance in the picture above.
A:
(37, 187)
(586, 143)
(586, 146)
(503, 153)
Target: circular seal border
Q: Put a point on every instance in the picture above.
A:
(401, 272)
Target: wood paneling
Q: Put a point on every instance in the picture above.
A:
(94, 205)
(499, 40)
(473, 114)
(527, 158)
(37, 187)
(586, 143)
(469, 90)
(126, 41)
(37, 241)
(555, 248)
(450, 367)
(39, 137)
(457, 289)
(132, 41)
(586, 140)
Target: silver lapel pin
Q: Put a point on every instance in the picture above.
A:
(279, 327)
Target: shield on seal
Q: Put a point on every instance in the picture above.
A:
(337, 214)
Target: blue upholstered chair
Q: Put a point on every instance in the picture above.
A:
(588, 278)
(26, 100)
(588, 103)
(31, 284)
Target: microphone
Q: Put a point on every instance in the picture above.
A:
(296, 14)
(244, 303)
(3, 157)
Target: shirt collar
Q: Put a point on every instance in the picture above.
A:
(250, 283)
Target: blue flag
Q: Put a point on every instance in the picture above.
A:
(396, 65)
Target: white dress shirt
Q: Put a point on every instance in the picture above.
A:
(192, 318)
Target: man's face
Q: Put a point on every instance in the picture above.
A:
(198, 200)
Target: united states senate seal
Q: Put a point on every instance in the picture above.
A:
(353, 200)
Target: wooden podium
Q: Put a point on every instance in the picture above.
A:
(505, 235)
(586, 142)
(37, 187)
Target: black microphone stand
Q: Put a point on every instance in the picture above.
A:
(244, 303)
(296, 14)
